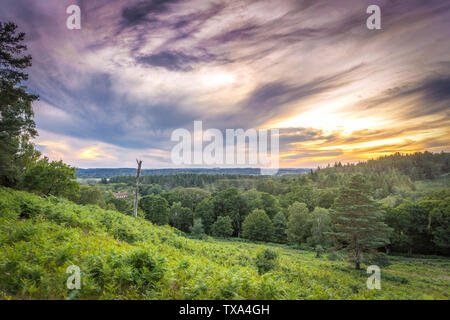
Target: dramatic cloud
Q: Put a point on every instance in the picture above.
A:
(137, 70)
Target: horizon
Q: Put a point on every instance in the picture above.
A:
(231, 168)
(116, 89)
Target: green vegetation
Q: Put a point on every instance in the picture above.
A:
(396, 204)
(222, 227)
(17, 127)
(257, 226)
(358, 224)
(122, 257)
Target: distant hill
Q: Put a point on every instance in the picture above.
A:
(115, 172)
(417, 166)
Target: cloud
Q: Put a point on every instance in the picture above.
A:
(138, 12)
(139, 69)
(172, 60)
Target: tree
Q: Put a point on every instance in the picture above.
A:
(122, 205)
(51, 178)
(230, 203)
(279, 227)
(197, 229)
(257, 226)
(91, 195)
(269, 204)
(155, 208)
(297, 227)
(180, 217)
(325, 198)
(319, 222)
(358, 225)
(222, 227)
(189, 197)
(205, 211)
(16, 113)
(441, 225)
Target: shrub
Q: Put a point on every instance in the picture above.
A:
(266, 260)
(319, 251)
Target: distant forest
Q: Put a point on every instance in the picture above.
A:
(115, 172)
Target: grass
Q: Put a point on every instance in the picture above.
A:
(125, 258)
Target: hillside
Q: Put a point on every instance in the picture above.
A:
(125, 258)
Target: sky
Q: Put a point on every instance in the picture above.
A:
(117, 88)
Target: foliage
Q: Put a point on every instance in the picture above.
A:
(230, 202)
(122, 257)
(156, 209)
(222, 227)
(205, 211)
(297, 227)
(266, 260)
(358, 224)
(279, 227)
(197, 229)
(319, 225)
(17, 126)
(91, 195)
(51, 178)
(257, 226)
(421, 227)
(180, 217)
(122, 205)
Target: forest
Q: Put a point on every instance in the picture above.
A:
(297, 209)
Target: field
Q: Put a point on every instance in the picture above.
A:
(121, 257)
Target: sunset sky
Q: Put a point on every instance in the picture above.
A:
(337, 91)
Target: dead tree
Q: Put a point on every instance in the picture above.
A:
(139, 163)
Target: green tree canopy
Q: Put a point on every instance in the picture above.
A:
(180, 217)
(51, 178)
(91, 195)
(197, 228)
(319, 223)
(205, 211)
(156, 209)
(279, 227)
(222, 227)
(257, 226)
(231, 203)
(297, 227)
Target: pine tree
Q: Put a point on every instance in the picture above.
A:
(358, 226)
(16, 113)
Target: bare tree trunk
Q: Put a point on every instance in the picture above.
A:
(357, 260)
(139, 163)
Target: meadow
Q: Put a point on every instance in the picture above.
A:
(122, 257)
